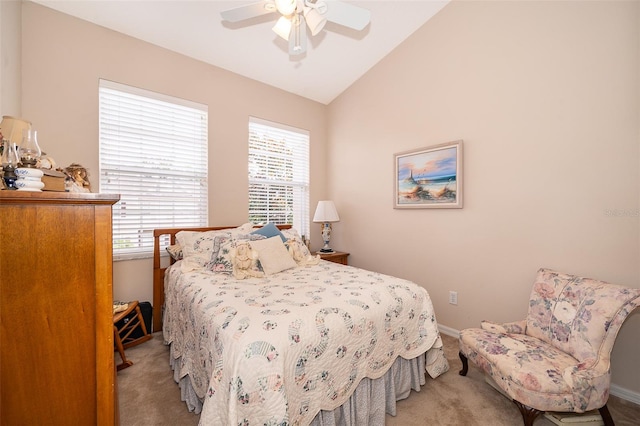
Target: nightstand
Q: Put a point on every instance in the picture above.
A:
(335, 257)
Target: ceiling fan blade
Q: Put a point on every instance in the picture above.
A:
(347, 14)
(248, 11)
(298, 37)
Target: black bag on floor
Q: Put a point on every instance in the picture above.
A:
(147, 314)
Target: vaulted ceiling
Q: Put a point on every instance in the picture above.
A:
(335, 58)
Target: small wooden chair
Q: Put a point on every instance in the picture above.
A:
(122, 335)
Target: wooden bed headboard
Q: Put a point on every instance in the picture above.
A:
(158, 271)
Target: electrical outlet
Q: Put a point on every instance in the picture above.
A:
(453, 297)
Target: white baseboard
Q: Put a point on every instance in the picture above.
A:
(449, 331)
(625, 394)
(620, 392)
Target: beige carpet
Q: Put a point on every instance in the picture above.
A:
(149, 396)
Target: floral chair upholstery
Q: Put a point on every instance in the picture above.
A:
(557, 359)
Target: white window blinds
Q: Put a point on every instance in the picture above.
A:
(153, 152)
(278, 174)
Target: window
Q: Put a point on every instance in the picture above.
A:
(278, 174)
(153, 152)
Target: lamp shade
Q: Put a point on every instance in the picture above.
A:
(286, 7)
(283, 27)
(315, 20)
(326, 212)
(12, 127)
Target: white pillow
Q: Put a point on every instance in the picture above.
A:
(273, 255)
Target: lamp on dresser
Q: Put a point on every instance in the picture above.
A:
(326, 213)
(11, 129)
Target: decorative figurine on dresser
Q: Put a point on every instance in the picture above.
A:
(56, 319)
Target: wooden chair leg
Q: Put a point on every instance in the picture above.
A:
(528, 414)
(606, 416)
(465, 364)
(137, 321)
(125, 362)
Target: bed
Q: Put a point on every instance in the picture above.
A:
(313, 343)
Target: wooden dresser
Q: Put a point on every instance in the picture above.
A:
(56, 309)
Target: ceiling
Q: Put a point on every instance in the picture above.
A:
(335, 58)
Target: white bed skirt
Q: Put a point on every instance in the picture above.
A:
(371, 400)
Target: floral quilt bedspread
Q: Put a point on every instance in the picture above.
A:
(276, 350)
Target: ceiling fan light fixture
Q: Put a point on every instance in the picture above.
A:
(315, 20)
(286, 7)
(298, 15)
(283, 27)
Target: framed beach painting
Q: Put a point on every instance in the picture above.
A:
(429, 177)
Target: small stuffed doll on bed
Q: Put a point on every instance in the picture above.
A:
(245, 262)
(300, 253)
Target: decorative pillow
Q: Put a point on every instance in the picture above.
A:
(300, 252)
(242, 229)
(244, 261)
(291, 233)
(175, 251)
(218, 242)
(270, 230)
(273, 255)
(241, 232)
(197, 247)
(223, 262)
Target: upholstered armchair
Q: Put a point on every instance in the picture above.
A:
(558, 358)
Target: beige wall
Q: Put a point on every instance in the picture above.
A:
(10, 58)
(63, 59)
(545, 96)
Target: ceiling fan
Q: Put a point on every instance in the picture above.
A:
(297, 15)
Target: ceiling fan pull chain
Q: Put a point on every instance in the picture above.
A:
(298, 44)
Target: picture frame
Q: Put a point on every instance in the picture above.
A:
(429, 178)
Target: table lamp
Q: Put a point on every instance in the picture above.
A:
(326, 213)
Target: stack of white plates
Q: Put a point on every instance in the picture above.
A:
(29, 179)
